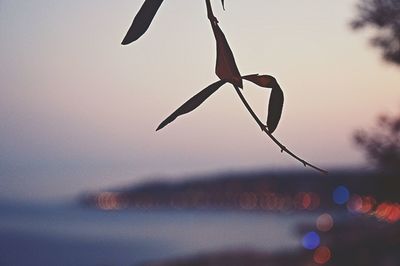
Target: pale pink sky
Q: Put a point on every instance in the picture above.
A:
(78, 111)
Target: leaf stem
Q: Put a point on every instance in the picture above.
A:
(265, 129)
(210, 14)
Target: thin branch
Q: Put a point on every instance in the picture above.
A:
(264, 129)
(210, 14)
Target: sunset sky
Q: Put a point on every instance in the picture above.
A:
(78, 110)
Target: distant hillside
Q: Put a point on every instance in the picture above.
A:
(257, 191)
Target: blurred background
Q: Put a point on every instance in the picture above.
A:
(86, 180)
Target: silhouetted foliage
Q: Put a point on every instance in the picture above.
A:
(225, 67)
(275, 104)
(142, 20)
(382, 145)
(192, 103)
(226, 70)
(383, 15)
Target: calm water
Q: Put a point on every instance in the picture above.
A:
(70, 235)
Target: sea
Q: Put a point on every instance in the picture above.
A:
(73, 235)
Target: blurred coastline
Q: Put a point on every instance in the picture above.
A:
(249, 191)
(245, 218)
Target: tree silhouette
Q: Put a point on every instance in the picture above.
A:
(383, 15)
(226, 70)
(382, 145)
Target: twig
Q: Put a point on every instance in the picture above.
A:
(210, 14)
(264, 129)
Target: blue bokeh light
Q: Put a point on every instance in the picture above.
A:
(311, 240)
(341, 195)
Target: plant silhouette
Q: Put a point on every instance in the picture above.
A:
(383, 16)
(142, 20)
(226, 70)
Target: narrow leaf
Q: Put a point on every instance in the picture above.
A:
(276, 99)
(223, 4)
(142, 20)
(192, 103)
(261, 80)
(226, 68)
(275, 107)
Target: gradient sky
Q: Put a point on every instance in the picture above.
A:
(78, 111)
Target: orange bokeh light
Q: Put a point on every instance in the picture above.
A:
(108, 201)
(368, 204)
(322, 255)
(389, 212)
(306, 201)
(324, 222)
(355, 203)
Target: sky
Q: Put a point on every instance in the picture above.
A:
(78, 110)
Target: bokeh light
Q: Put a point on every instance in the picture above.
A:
(341, 195)
(361, 204)
(248, 200)
(108, 201)
(368, 203)
(389, 212)
(322, 255)
(306, 201)
(324, 222)
(355, 203)
(311, 240)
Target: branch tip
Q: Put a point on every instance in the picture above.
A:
(280, 145)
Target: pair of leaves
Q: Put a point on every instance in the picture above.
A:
(143, 19)
(226, 69)
(274, 107)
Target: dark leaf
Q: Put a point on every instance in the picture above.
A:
(226, 68)
(142, 20)
(275, 104)
(275, 107)
(223, 4)
(192, 103)
(262, 81)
